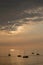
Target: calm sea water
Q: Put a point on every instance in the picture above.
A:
(12, 60)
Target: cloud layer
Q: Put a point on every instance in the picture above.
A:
(16, 13)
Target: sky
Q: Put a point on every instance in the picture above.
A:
(21, 23)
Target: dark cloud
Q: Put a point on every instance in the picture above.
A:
(12, 9)
(16, 11)
(38, 19)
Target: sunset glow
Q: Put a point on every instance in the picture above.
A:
(21, 24)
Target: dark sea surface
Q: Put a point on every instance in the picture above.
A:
(14, 60)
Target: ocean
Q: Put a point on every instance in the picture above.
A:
(12, 60)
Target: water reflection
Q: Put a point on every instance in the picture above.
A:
(32, 60)
(15, 57)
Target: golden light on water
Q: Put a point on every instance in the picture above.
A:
(12, 50)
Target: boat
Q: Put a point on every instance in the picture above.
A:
(32, 52)
(9, 54)
(37, 54)
(18, 55)
(25, 56)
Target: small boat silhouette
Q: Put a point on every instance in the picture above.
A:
(32, 52)
(25, 56)
(9, 54)
(18, 55)
(37, 54)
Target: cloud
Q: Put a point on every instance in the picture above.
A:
(17, 13)
(16, 25)
(14, 9)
